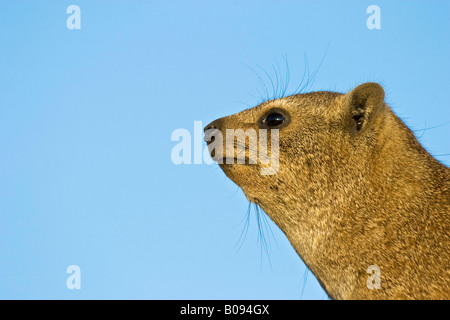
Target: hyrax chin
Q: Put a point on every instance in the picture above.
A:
(365, 206)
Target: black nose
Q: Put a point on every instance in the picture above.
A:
(209, 126)
(216, 124)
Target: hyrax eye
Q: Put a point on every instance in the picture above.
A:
(274, 119)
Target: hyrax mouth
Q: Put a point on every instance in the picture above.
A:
(234, 160)
(249, 147)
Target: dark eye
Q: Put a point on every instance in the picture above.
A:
(274, 119)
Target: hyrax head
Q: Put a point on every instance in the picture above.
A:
(283, 145)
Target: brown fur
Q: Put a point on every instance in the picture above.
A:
(354, 188)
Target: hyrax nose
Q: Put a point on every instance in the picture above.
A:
(216, 124)
(211, 130)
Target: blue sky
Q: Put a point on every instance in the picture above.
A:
(86, 117)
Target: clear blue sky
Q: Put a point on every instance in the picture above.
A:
(86, 117)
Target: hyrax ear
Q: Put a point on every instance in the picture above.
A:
(363, 104)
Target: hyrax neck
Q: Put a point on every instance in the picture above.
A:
(371, 210)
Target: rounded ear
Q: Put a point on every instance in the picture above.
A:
(363, 103)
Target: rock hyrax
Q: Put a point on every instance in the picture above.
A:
(353, 189)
